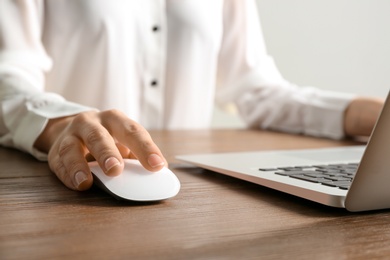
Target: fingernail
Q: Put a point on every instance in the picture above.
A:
(154, 160)
(111, 163)
(80, 177)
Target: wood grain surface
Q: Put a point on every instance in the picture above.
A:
(213, 216)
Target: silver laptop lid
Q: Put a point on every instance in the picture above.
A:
(370, 188)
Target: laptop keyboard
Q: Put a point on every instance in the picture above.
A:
(334, 175)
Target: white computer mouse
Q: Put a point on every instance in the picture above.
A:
(136, 183)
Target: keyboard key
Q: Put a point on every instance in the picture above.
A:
(268, 169)
(305, 178)
(290, 173)
(337, 183)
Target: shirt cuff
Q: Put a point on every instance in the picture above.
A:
(34, 122)
(325, 114)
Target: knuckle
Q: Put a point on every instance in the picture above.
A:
(81, 118)
(147, 145)
(66, 146)
(133, 129)
(112, 112)
(136, 132)
(95, 135)
(58, 168)
(79, 122)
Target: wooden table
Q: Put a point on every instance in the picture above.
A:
(213, 217)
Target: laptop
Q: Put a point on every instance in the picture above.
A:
(356, 178)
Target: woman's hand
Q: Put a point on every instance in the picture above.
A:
(107, 136)
(361, 115)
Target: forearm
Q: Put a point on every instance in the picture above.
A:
(300, 110)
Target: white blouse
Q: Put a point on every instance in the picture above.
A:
(164, 63)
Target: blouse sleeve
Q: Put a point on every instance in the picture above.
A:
(24, 105)
(248, 77)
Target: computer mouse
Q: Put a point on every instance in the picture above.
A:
(136, 183)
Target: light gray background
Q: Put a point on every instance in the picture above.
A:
(341, 45)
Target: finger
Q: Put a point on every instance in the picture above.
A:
(67, 161)
(135, 137)
(72, 153)
(99, 142)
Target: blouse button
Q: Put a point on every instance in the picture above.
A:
(155, 28)
(154, 83)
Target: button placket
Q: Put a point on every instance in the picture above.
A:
(154, 67)
(154, 81)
